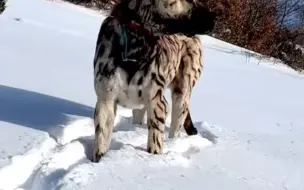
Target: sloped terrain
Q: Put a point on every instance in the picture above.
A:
(249, 115)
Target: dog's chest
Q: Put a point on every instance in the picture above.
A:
(130, 98)
(134, 94)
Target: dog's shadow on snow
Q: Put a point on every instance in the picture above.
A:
(36, 110)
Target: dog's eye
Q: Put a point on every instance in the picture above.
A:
(190, 1)
(172, 3)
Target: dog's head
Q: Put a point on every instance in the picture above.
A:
(174, 9)
(198, 21)
(167, 16)
(186, 16)
(201, 21)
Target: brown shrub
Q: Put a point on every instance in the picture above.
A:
(268, 27)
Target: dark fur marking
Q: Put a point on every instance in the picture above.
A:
(140, 81)
(191, 52)
(162, 78)
(100, 52)
(172, 3)
(199, 71)
(160, 119)
(191, 57)
(95, 112)
(182, 67)
(154, 125)
(157, 81)
(177, 91)
(108, 70)
(97, 129)
(158, 93)
(101, 49)
(189, 76)
(200, 60)
(158, 64)
(154, 138)
(139, 93)
(193, 83)
(160, 107)
(153, 76)
(193, 70)
(98, 156)
(165, 51)
(163, 101)
(146, 67)
(158, 143)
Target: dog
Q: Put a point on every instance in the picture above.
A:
(143, 48)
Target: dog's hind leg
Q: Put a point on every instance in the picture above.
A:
(104, 123)
(180, 103)
(189, 73)
(181, 115)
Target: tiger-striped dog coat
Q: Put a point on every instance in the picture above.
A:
(135, 62)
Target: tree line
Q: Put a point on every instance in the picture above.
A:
(273, 28)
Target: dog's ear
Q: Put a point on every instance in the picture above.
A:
(202, 20)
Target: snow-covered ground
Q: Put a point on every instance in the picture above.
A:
(250, 116)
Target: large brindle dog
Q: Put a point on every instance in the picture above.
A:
(143, 48)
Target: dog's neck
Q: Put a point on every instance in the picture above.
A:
(147, 22)
(141, 29)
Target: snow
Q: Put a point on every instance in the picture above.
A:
(249, 114)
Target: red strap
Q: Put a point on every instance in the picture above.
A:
(139, 28)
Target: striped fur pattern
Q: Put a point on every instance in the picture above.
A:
(136, 76)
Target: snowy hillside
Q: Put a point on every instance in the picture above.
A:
(250, 116)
